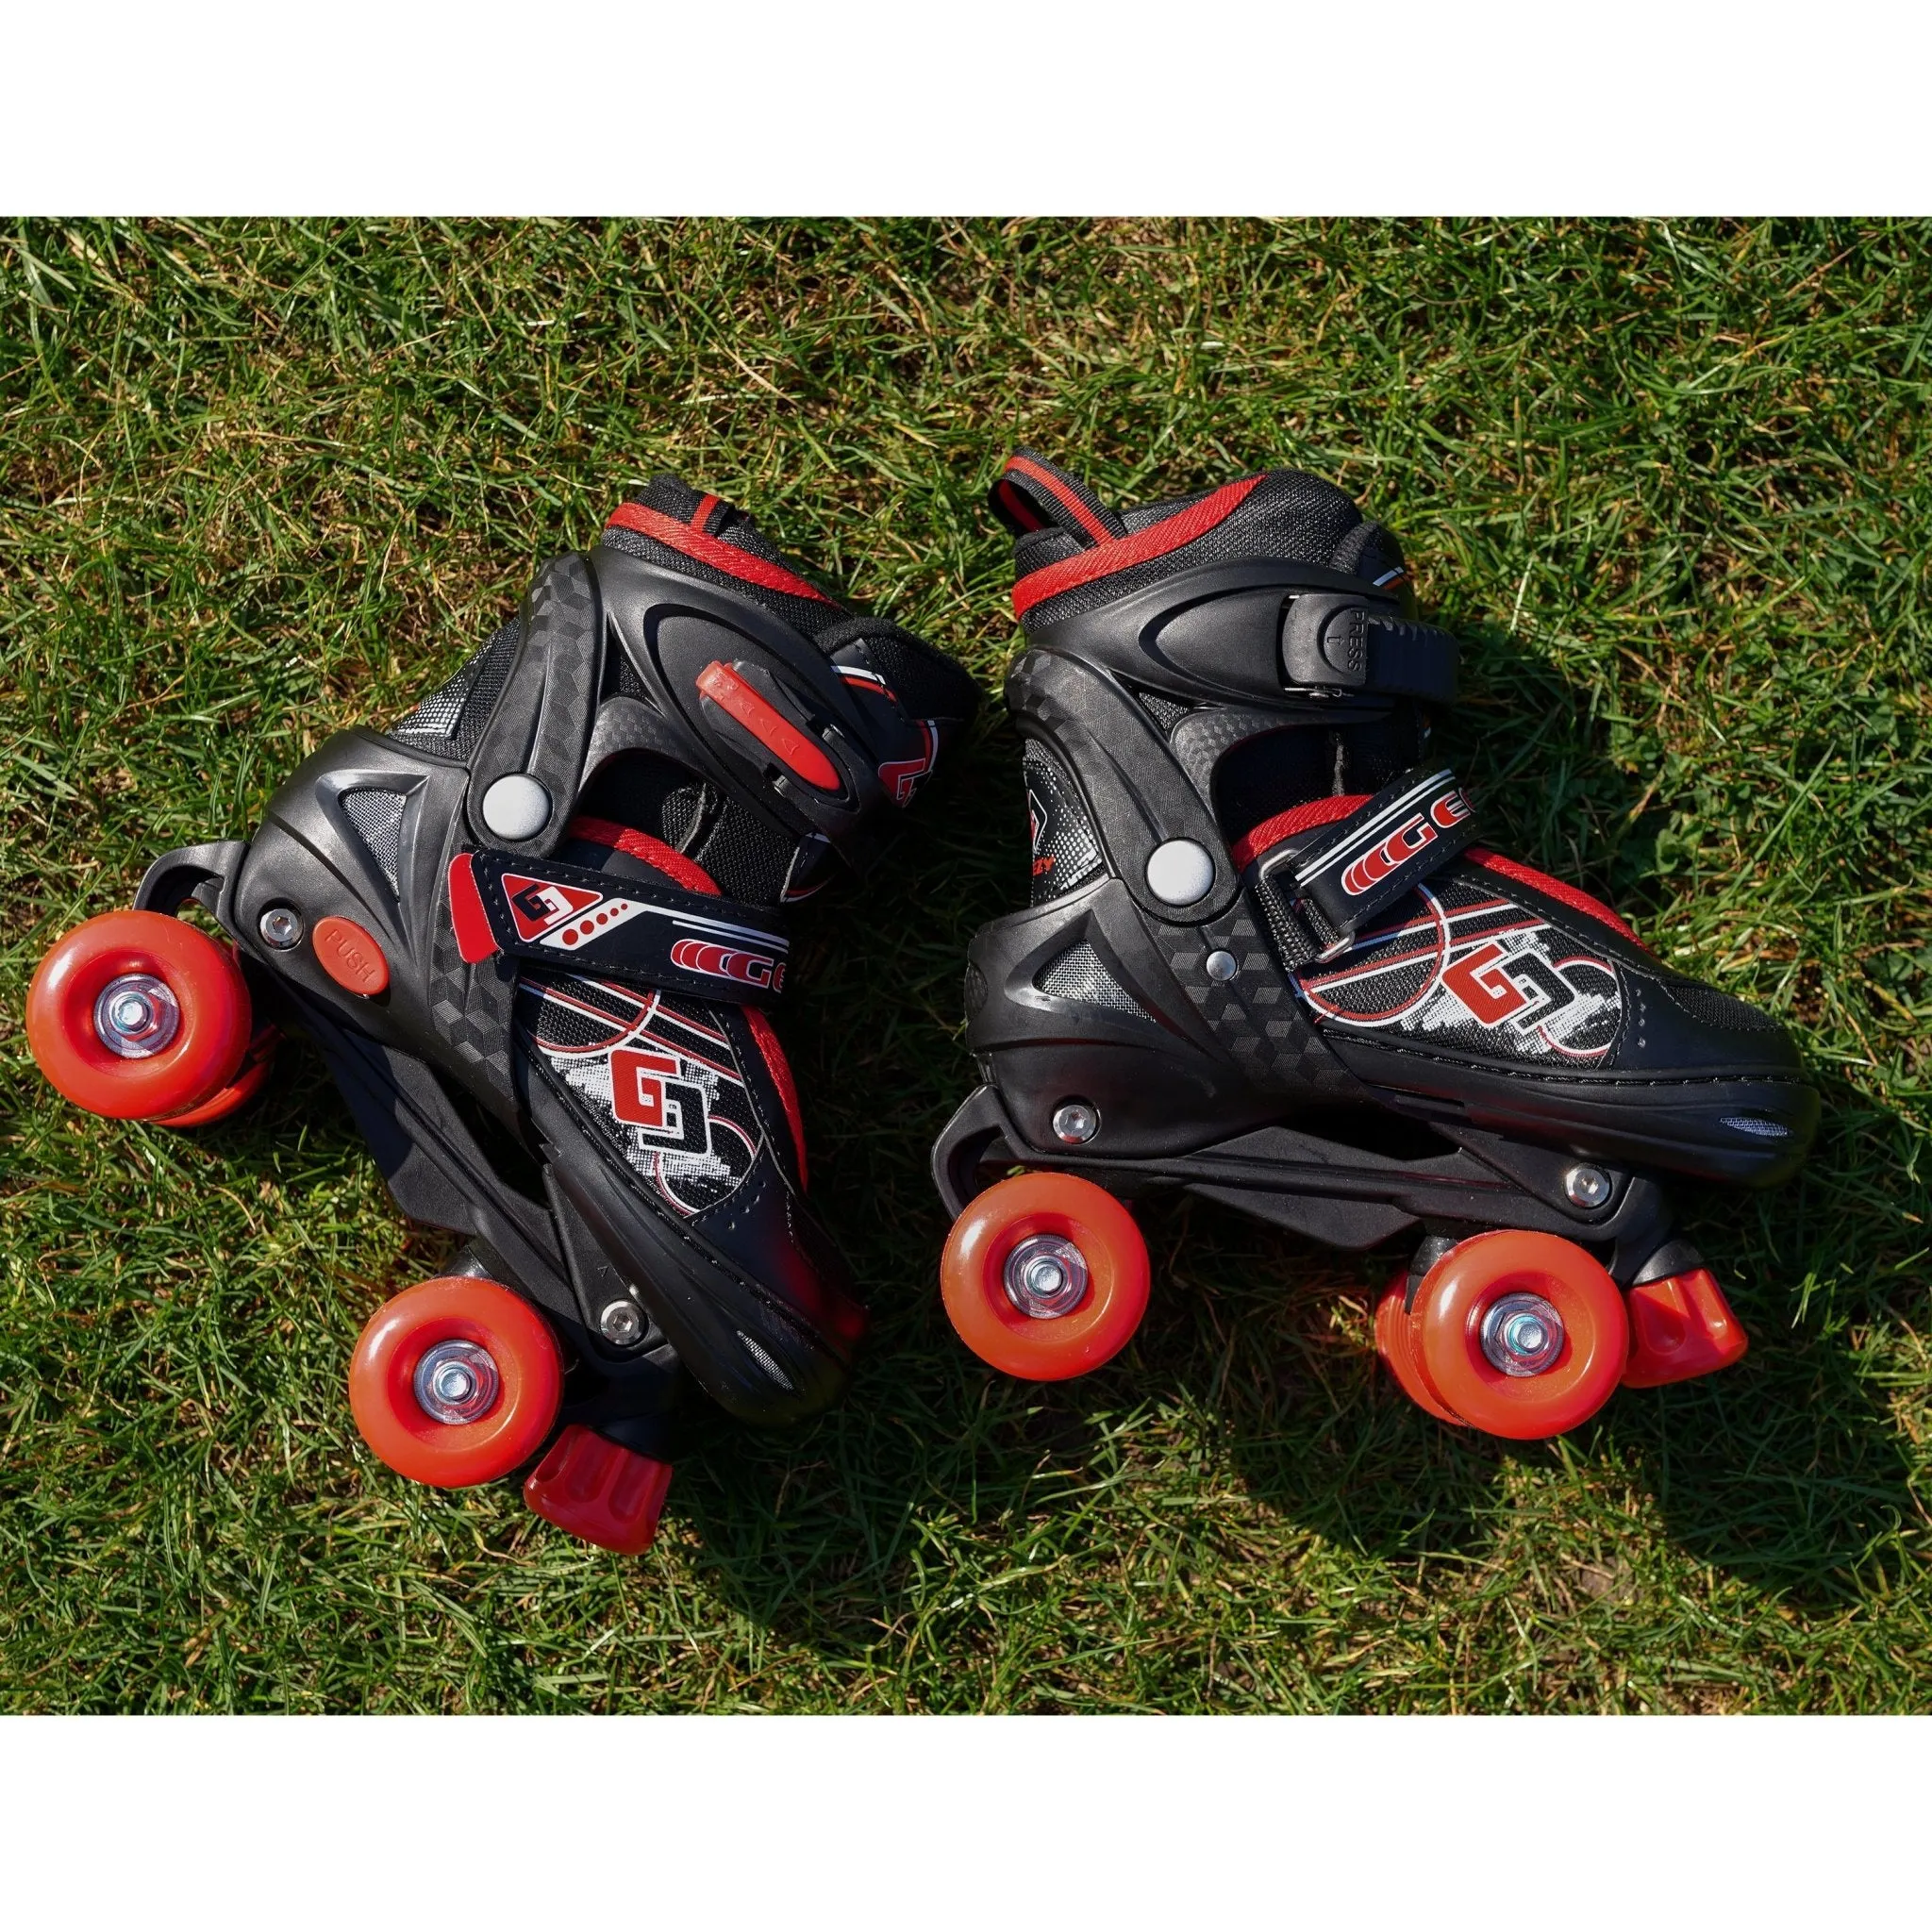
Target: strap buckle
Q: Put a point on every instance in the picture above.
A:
(1318, 897)
(1331, 640)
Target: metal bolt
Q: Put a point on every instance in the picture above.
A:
(1046, 1275)
(1522, 1334)
(1587, 1187)
(1222, 966)
(1074, 1121)
(457, 1382)
(136, 1016)
(280, 927)
(620, 1322)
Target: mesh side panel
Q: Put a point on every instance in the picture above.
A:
(1065, 852)
(1709, 1007)
(556, 1025)
(670, 495)
(1166, 713)
(454, 715)
(378, 816)
(1269, 772)
(1039, 548)
(749, 859)
(1078, 975)
(809, 615)
(649, 793)
(1288, 515)
(1368, 551)
(1144, 513)
(925, 684)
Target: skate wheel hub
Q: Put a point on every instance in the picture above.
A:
(136, 1016)
(1179, 871)
(1522, 1334)
(457, 1382)
(1046, 1275)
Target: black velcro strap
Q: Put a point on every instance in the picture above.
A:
(1361, 865)
(646, 932)
(1332, 641)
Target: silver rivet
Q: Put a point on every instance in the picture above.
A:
(1074, 1121)
(136, 1016)
(1522, 1334)
(280, 927)
(1222, 966)
(457, 1382)
(1587, 1187)
(1179, 871)
(620, 1322)
(516, 808)
(1046, 1275)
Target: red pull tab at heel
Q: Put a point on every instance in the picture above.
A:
(1681, 1327)
(599, 1491)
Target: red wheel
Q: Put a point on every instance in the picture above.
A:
(1060, 1247)
(1522, 1335)
(136, 1016)
(257, 1063)
(1395, 1342)
(456, 1381)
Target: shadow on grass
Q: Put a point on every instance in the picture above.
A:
(1785, 1472)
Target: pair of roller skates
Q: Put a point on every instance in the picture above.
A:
(535, 926)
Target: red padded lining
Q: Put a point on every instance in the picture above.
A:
(725, 557)
(1297, 818)
(1573, 897)
(685, 872)
(1156, 539)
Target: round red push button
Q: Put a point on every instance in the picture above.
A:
(350, 955)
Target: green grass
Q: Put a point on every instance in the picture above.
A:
(1671, 483)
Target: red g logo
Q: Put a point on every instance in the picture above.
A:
(636, 1090)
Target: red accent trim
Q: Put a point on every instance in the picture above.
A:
(725, 557)
(1284, 825)
(1681, 1327)
(594, 1487)
(1018, 508)
(1141, 546)
(667, 858)
(474, 940)
(780, 1069)
(1068, 501)
(771, 728)
(1573, 897)
(702, 515)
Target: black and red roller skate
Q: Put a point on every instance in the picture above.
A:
(1267, 960)
(534, 929)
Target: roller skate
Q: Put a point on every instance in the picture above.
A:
(1268, 961)
(535, 928)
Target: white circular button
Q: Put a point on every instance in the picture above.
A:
(516, 808)
(1179, 871)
